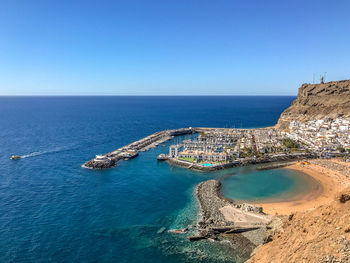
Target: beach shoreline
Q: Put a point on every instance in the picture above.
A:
(325, 184)
(317, 221)
(322, 194)
(253, 223)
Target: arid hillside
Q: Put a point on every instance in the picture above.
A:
(327, 100)
(321, 235)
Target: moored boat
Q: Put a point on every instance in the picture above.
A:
(162, 157)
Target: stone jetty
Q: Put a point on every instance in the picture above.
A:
(224, 217)
(132, 150)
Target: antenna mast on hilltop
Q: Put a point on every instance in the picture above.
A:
(313, 78)
(323, 77)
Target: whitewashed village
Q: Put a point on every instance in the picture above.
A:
(325, 135)
(216, 147)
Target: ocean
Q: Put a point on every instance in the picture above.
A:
(53, 210)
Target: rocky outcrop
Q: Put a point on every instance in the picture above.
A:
(344, 196)
(318, 101)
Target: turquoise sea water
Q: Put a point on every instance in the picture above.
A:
(52, 210)
(247, 183)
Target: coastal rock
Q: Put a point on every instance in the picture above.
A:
(250, 208)
(318, 101)
(275, 226)
(344, 197)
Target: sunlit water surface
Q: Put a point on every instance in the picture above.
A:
(52, 210)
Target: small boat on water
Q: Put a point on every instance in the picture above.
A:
(15, 157)
(162, 157)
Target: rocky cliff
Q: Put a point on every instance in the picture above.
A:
(318, 101)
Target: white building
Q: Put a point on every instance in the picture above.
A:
(174, 151)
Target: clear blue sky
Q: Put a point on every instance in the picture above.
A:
(171, 47)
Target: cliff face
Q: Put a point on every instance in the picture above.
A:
(318, 101)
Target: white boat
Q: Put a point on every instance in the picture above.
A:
(101, 158)
(15, 157)
(162, 157)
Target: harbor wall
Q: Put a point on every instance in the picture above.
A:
(132, 150)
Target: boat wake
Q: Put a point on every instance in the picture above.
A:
(55, 150)
(32, 154)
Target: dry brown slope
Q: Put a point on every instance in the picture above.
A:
(327, 100)
(320, 235)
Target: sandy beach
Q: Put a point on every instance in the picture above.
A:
(341, 162)
(330, 183)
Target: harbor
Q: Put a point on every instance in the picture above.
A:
(214, 149)
(133, 149)
(221, 148)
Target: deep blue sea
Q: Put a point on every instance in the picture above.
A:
(52, 210)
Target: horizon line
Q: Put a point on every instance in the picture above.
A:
(140, 95)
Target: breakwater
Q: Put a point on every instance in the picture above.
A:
(132, 150)
(224, 219)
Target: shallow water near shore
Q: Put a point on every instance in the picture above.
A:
(264, 186)
(52, 210)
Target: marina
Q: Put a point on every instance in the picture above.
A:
(214, 149)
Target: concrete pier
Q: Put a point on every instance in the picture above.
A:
(132, 150)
